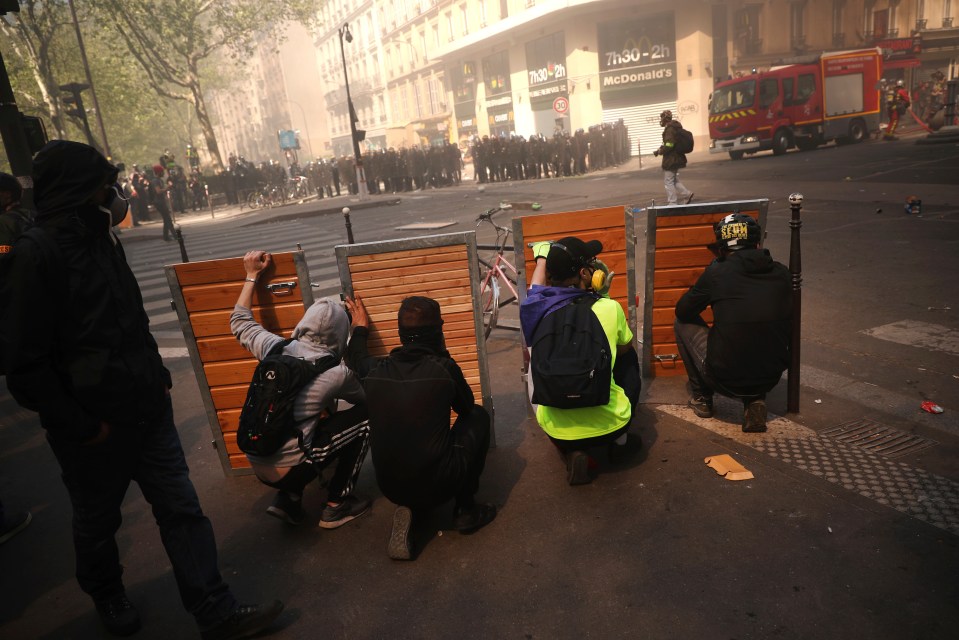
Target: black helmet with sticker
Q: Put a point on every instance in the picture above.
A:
(737, 231)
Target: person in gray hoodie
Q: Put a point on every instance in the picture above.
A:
(323, 434)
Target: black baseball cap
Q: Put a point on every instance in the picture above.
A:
(568, 255)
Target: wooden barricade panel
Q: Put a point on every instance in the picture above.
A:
(677, 253)
(204, 295)
(612, 226)
(442, 267)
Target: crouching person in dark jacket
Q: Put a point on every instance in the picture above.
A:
(420, 460)
(77, 348)
(744, 353)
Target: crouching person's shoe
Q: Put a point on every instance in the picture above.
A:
(702, 406)
(399, 547)
(118, 615)
(349, 508)
(754, 416)
(471, 519)
(247, 620)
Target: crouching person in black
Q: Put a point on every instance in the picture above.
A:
(745, 351)
(420, 460)
(322, 434)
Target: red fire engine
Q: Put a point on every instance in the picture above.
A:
(834, 96)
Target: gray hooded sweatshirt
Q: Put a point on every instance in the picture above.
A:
(323, 330)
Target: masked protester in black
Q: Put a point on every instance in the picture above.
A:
(77, 349)
(420, 460)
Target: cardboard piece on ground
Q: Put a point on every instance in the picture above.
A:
(728, 468)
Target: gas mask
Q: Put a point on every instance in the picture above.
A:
(116, 206)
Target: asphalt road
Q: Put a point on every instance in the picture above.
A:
(828, 541)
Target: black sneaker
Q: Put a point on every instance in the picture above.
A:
(247, 620)
(577, 468)
(472, 519)
(702, 406)
(349, 508)
(754, 416)
(119, 616)
(399, 547)
(286, 508)
(14, 525)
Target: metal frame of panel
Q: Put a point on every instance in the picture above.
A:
(466, 239)
(653, 214)
(179, 305)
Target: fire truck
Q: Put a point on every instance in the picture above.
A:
(833, 96)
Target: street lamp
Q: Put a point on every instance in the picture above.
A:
(357, 158)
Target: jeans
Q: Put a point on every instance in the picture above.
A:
(97, 477)
(671, 180)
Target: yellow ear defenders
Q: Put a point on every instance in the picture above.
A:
(599, 279)
(602, 277)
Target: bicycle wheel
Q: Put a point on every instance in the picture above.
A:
(254, 201)
(489, 302)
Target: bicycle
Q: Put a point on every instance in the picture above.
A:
(492, 273)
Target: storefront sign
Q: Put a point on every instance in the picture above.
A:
(637, 59)
(546, 70)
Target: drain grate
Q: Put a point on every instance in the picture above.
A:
(878, 438)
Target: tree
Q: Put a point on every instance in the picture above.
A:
(172, 40)
(32, 35)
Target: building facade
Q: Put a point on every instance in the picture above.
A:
(425, 72)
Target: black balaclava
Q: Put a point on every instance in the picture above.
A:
(420, 323)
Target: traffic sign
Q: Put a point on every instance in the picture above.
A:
(561, 105)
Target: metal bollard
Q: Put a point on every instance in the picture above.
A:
(795, 270)
(349, 226)
(178, 234)
(209, 202)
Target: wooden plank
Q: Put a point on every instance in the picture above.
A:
(368, 258)
(669, 278)
(569, 223)
(684, 237)
(667, 298)
(404, 262)
(694, 220)
(229, 397)
(223, 295)
(276, 319)
(229, 421)
(230, 270)
(668, 369)
(667, 315)
(229, 373)
(683, 257)
(443, 285)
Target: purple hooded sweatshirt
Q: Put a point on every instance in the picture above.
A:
(543, 301)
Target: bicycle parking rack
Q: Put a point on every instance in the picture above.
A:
(204, 294)
(443, 267)
(676, 255)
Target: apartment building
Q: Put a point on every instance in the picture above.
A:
(427, 71)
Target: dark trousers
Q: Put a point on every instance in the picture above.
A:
(626, 375)
(691, 341)
(343, 437)
(97, 478)
(456, 476)
(164, 210)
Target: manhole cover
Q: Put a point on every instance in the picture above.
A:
(878, 438)
(419, 226)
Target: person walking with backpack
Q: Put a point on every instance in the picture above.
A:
(584, 368)
(677, 142)
(318, 432)
(77, 349)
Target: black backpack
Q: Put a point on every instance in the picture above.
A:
(266, 420)
(684, 140)
(570, 358)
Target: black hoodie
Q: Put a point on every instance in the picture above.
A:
(751, 297)
(76, 341)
